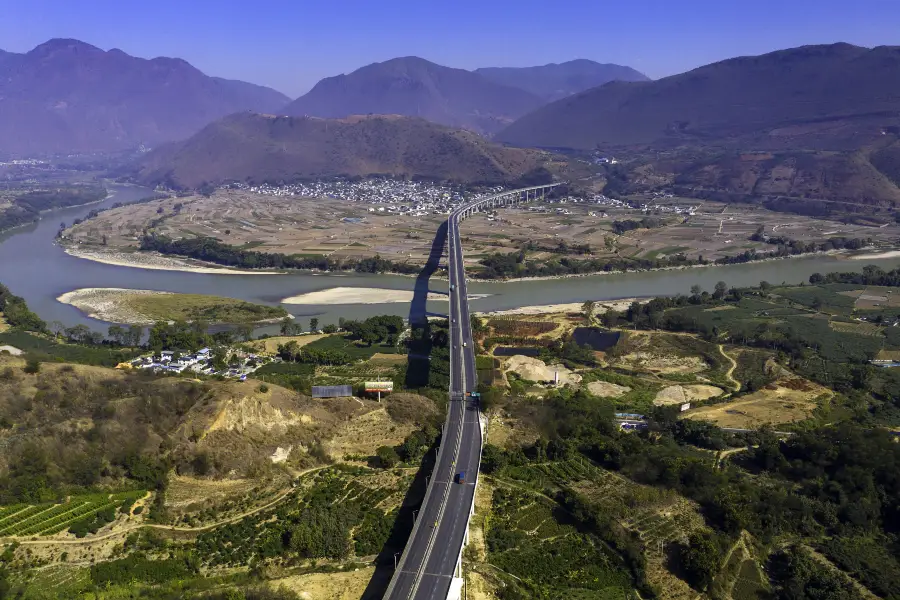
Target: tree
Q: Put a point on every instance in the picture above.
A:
(701, 559)
(135, 333)
(721, 289)
(313, 325)
(32, 367)
(329, 328)
(287, 326)
(117, 334)
(387, 456)
(245, 332)
(611, 318)
(696, 290)
(588, 309)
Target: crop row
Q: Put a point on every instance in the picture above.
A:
(52, 518)
(49, 514)
(14, 524)
(8, 511)
(48, 528)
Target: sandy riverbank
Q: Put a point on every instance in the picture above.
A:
(106, 304)
(600, 307)
(876, 255)
(157, 262)
(353, 295)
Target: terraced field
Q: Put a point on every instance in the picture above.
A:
(47, 519)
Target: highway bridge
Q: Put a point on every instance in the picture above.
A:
(431, 564)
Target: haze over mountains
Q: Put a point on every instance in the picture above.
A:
(483, 100)
(413, 86)
(255, 148)
(554, 81)
(68, 96)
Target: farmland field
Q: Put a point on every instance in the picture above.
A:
(48, 519)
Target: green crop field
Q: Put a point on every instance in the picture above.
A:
(48, 519)
(533, 540)
(356, 350)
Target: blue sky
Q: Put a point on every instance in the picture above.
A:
(291, 44)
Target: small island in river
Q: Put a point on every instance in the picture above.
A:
(143, 307)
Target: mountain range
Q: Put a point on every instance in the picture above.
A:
(68, 96)
(484, 100)
(413, 86)
(254, 148)
(834, 97)
(554, 81)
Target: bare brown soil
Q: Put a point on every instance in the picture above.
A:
(787, 400)
(270, 345)
(343, 585)
(343, 229)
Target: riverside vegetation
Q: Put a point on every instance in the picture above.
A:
(27, 207)
(494, 266)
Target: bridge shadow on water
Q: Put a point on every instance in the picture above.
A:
(417, 374)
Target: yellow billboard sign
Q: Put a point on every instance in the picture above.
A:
(379, 386)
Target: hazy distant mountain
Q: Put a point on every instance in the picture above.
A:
(259, 148)
(415, 87)
(554, 81)
(68, 96)
(835, 96)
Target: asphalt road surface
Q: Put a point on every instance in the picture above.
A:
(442, 521)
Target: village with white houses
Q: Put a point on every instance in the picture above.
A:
(239, 363)
(390, 196)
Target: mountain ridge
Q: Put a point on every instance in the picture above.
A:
(413, 86)
(747, 101)
(553, 81)
(66, 95)
(255, 148)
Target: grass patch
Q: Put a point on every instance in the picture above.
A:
(47, 350)
(355, 349)
(200, 307)
(823, 299)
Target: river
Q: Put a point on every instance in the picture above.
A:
(32, 266)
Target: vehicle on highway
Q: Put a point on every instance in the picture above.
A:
(465, 344)
(461, 477)
(452, 287)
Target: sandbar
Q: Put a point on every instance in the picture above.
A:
(121, 305)
(600, 306)
(157, 262)
(876, 255)
(358, 295)
(104, 304)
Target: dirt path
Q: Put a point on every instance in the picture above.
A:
(723, 454)
(136, 526)
(729, 373)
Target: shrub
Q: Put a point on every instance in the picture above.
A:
(32, 367)
(387, 456)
